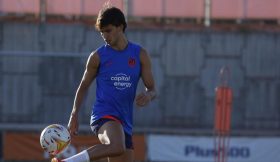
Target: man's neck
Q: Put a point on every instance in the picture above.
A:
(121, 44)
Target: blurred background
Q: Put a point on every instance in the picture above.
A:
(44, 45)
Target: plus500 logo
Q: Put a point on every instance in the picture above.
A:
(233, 152)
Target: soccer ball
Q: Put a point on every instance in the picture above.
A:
(54, 139)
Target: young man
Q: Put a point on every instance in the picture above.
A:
(117, 67)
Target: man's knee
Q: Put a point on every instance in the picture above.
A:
(117, 148)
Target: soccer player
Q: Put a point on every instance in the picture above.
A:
(117, 67)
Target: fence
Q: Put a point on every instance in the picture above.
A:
(37, 88)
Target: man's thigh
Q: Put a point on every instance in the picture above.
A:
(111, 132)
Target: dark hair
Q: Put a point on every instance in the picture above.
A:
(110, 15)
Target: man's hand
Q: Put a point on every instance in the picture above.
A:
(73, 124)
(143, 99)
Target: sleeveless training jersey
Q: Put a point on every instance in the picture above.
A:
(116, 83)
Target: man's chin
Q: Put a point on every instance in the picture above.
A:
(108, 42)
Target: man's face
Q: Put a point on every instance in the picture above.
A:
(111, 34)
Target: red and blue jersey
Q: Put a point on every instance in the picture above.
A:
(116, 84)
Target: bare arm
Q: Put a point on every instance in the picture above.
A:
(89, 75)
(144, 98)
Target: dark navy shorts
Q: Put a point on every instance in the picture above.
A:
(98, 124)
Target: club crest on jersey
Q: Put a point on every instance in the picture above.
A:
(131, 62)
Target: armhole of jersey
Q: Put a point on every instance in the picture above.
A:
(99, 53)
(139, 52)
(139, 48)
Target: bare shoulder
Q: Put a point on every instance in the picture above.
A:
(144, 56)
(143, 51)
(93, 60)
(94, 56)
